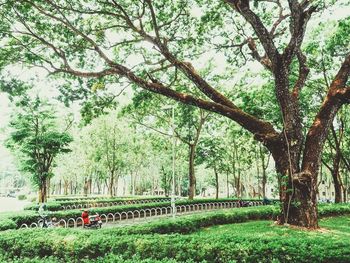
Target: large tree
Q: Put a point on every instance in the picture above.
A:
(95, 39)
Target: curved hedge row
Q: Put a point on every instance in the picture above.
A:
(146, 243)
(30, 216)
(81, 198)
(59, 205)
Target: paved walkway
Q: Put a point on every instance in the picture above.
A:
(141, 221)
(8, 204)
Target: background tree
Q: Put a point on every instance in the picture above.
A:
(37, 141)
(188, 123)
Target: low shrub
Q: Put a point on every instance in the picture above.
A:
(7, 224)
(51, 206)
(21, 197)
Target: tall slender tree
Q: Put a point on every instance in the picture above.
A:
(37, 141)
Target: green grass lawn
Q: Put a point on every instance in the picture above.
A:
(330, 227)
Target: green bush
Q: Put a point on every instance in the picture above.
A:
(108, 259)
(21, 197)
(51, 206)
(7, 224)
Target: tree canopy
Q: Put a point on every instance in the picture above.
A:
(173, 48)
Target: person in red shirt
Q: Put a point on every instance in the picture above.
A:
(85, 217)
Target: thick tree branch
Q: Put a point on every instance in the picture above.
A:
(326, 164)
(266, 39)
(337, 95)
(303, 73)
(264, 131)
(298, 22)
(265, 61)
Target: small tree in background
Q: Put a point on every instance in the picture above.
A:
(36, 140)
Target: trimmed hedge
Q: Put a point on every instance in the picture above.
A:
(57, 205)
(21, 197)
(30, 216)
(109, 258)
(79, 198)
(7, 224)
(51, 206)
(164, 239)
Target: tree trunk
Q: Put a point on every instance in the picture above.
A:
(337, 185)
(191, 175)
(116, 186)
(227, 186)
(306, 213)
(85, 188)
(132, 184)
(216, 183)
(60, 187)
(263, 183)
(344, 193)
(335, 172)
(111, 184)
(236, 165)
(264, 164)
(179, 189)
(90, 186)
(298, 195)
(299, 203)
(124, 187)
(48, 185)
(71, 187)
(98, 185)
(65, 187)
(257, 172)
(43, 191)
